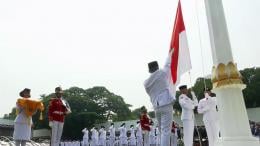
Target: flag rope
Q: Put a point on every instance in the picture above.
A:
(201, 46)
(203, 69)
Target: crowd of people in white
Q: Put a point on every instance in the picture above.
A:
(121, 136)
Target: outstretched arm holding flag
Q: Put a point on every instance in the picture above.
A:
(161, 85)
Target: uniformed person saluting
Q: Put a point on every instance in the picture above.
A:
(58, 108)
(207, 107)
(187, 115)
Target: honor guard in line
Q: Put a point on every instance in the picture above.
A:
(187, 115)
(145, 124)
(94, 136)
(132, 140)
(85, 137)
(152, 137)
(174, 136)
(123, 135)
(58, 108)
(102, 136)
(139, 135)
(112, 134)
(158, 87)
(207, 107)
(157, 134)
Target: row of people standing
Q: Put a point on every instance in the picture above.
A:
(136, 137)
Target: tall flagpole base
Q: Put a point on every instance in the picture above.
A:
(233, 118)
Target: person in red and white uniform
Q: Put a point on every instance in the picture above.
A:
(58, 109)
(145, 125)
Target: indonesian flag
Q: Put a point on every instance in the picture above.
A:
(180, 59)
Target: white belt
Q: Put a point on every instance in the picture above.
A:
(58, 112)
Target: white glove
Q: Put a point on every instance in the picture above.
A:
(206, 95)
(193, 95)
(68, 111)
(50, 123)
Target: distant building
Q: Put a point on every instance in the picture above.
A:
(41, 134)
(6, 127)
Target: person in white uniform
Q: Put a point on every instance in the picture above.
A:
(94, 137)
(158, 87)
(152, 137)
(139, 135)
(62, 143)
(85, 137)
(123, 136)
(132, 139)
(102, 136)
(22, 122)
(157, 134)
(207, 107)
(187, 115)
(112, 134)
(174, 135)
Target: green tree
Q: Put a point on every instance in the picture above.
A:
(251, 77)
(89, 107)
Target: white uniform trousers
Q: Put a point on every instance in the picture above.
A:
(146, 138)
(165, 117)
(152, 140)
(56, 132)
(173, 139)
(158, 140)
(188, 131)
(212, 131)
(132, 141)
(102, 142)
(139, 141)
(111, 141)
(123, 141)
(85, 142)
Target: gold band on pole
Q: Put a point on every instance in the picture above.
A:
(224, 75)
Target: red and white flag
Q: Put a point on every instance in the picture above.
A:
(180, 59)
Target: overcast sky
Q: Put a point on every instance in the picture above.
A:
(86, 43)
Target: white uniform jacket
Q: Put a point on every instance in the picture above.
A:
(158, 86)
(112, 132)
(85, 131)
(207, 107)
(187, 106)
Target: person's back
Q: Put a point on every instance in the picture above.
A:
(157, 87)
(161, 91)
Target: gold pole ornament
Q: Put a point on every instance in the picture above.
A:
(224, 75)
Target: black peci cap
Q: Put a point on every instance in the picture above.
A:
(183, 87)
(24, 91)
(153, 66)
(58, 90)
